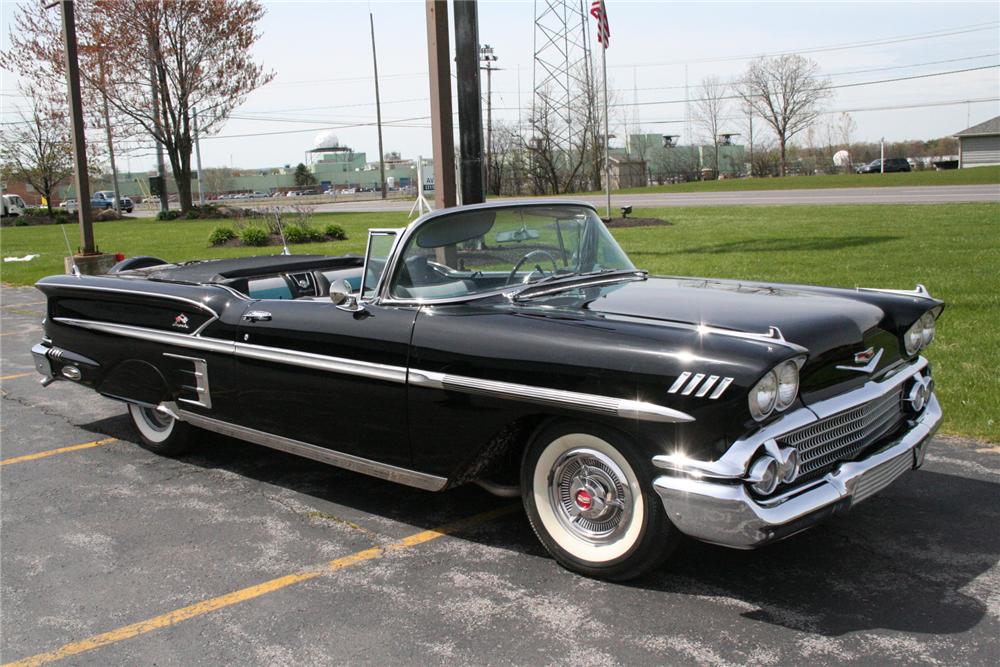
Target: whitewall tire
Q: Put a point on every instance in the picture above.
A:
(591, 504)
(159, 432)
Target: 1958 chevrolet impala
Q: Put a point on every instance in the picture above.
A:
(516, 346)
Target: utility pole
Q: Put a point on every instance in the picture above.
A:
(470, 101)
(439, 68)
(378, 109)
(87, 246)
(197, 155)
(486, 56)
(881, 161)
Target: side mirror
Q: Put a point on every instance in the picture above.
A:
(340, 295)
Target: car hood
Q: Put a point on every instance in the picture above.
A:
(832, 325)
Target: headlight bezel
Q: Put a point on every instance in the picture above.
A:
(776, 404)
(921, 333)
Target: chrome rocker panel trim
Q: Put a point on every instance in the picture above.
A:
(341, 460)
(726, 514)
(593, 403)
(733, 464)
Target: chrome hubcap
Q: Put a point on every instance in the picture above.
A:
(156, 419)
(590, 495)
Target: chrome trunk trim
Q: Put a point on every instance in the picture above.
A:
(384, 471)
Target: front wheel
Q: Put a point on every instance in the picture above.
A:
(160, 433)
(583, 496)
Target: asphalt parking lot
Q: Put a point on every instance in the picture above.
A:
(111, 555)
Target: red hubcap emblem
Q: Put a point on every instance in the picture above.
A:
(583, 499)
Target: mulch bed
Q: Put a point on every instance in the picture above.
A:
(635, 222)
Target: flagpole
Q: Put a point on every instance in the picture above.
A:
(607, 153)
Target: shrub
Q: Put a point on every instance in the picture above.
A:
(168, 215)
(335, 232)
(220, 235)
(193, 214)
(301, 234)
(254, 236)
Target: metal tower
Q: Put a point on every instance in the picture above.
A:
(562, 71)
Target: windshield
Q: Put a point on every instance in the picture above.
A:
(483, 250)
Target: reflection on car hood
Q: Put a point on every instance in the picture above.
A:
(816, 320)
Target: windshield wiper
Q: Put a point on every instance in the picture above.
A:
(548, 285)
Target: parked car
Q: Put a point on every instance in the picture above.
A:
(515, 345)
(12, 206)
(69, 205)
(105, 199)
(893, 164)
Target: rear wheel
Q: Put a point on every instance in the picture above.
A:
(582, 492)
(159, 432)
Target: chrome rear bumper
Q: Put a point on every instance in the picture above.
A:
(725, 513)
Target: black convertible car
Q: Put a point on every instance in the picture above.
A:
(516, 346)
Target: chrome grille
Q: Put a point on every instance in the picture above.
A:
(881, 476)
(843, 435)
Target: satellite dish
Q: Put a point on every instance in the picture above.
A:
(842, 159)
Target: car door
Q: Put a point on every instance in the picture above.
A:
(328, 375)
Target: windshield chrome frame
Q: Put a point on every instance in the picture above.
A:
(383, 296)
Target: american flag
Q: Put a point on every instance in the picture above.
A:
(599, 12)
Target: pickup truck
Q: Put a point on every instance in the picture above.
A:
(105, 199)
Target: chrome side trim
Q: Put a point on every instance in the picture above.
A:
(705, 387)
(321, 362)
(594, 403)
(721, 388)
(679, 382)
(341, 460)
(604, 405)
(189, 341)
(733, 464)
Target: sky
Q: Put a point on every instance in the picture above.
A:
(321, 54)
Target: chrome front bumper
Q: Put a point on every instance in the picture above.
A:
(725, 513)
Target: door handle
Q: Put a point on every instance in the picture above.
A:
(257, 316)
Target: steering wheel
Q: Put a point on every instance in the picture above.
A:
(527, 256)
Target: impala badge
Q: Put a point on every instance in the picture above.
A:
(181, 321)
(864, 357)
(869, 358)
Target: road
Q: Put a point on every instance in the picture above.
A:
(236, 554)
(931, 194)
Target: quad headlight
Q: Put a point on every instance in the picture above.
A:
(775, 391)
(920, 335)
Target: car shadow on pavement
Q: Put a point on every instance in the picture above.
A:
(904, 560)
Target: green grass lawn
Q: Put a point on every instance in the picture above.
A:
(974, 176)
(954, 249)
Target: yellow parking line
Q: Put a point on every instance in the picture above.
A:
(17, 375)
(53, 452)
(213, 604)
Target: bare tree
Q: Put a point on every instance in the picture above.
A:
(709, 111)
(37, 149)
(787, 92)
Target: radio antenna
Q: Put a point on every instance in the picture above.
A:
(281, 232)
(69, 250)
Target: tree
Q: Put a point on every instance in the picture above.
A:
(787, 92)
(303, 176)
(709, 111)
(185, 55)
(37, 148)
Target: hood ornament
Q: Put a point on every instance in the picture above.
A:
(869, 358)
